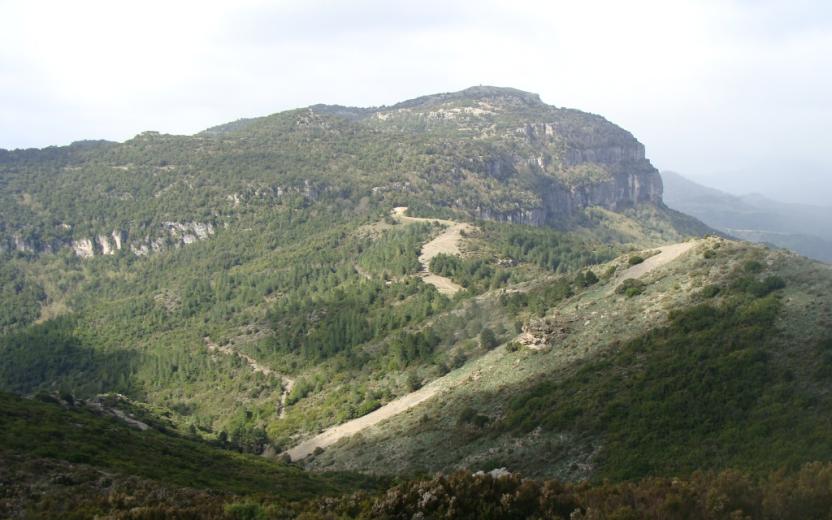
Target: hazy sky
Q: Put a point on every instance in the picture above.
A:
(737, 94)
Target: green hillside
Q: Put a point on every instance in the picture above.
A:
(479, 279)
(148, 267)
(62, 460)
(718, 359)
(91, 453)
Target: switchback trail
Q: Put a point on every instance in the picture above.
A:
(446, 243)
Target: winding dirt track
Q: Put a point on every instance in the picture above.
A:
(668, 253)
(446, 243)
(404, 403)
(287, 383)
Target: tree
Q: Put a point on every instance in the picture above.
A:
(590, 278)
(585, 279)
(488, 339)
(413, 381)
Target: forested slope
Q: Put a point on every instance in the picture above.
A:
(245, 288)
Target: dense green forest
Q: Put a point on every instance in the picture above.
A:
(335, 307)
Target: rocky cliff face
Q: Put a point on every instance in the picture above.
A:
(574, 171)
(493, 153)
(550, 163)
(169, 234)
(559, 201)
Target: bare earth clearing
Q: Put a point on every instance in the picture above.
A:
(447, 243)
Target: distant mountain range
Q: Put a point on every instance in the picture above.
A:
(800, 227)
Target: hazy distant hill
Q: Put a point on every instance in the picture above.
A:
(799, 227)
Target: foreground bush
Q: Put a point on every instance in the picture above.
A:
(704, 495)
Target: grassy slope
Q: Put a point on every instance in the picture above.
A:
(36, 429)
(625, 392)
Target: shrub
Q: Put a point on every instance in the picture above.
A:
(708, 494)
(586, 279)
(590, 278)
(708, 254)
(824, 366)
(769, 285)
(470, 416)
(245, 511)
(635, 260)
(759, 288)
(413, 381)
(752, 266)
(710, 291)
(630, 287)
(369, 406)
(488, 339)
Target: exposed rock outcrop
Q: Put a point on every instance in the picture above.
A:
(21, 245)
(188, 232)
(117, 237)
(104, 243)
(83, 248)
(629, 183)
(171, 234)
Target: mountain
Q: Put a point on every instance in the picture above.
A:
(464, 282)
(486, 152)
(799, 227)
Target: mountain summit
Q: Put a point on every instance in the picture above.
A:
(478, 93)
(485, 152)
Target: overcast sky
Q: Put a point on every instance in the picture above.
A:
(736, 94)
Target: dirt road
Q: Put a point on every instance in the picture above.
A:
(336, 433)
(287, 383)
(668, 254)
(446, 243)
